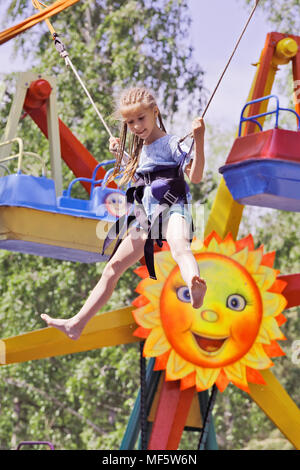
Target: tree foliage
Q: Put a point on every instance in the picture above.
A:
(285, 14)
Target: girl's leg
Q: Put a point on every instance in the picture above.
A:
(177, 235)
(131, 249)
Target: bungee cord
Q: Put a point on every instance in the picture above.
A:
(60, 47)
(232, 54)
(69, 63)
(226, 66)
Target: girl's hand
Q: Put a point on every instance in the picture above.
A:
(114, 143)
(198, 127)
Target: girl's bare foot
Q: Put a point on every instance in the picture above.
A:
(69, 326)
(197, 291)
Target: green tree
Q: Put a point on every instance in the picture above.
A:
(285, 14)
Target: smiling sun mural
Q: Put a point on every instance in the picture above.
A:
(232, 335)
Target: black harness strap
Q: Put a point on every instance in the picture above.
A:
(169, 193)
(117, 230)
(143, 399)
(175, 192)
(130, 219)
(149, 244)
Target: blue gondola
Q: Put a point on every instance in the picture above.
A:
(34, 192)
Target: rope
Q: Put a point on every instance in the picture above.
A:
(63, 53)
(143, 414)
(227, 65)
(207, 418)
(68, 62)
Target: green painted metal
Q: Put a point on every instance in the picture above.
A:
(211, 441)
(133, 428)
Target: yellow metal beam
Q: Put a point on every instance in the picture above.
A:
(278, 406)
(53, 9)
(107, 329)
(225, 214)
(270, 77)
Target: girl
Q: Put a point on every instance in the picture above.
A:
(151, 148)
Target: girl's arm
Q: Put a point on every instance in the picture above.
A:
(194, 170)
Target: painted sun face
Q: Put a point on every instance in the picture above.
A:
(115, 204)
(225, 327)
(230, 335)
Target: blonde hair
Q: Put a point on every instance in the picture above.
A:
(130, 97)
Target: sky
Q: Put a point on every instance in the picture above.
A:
(217, 25)
(215, 29)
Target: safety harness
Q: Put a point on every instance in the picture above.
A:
(168, 186)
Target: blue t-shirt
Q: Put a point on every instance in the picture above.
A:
(163, 151)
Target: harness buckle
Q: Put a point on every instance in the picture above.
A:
(169, 197)
(147, 178)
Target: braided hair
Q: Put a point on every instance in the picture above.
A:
(132, 96)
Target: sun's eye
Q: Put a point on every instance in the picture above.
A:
(115, 204)
(183, 294)
(236, 302)
(141, 118)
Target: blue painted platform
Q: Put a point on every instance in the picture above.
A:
(265, 183)
(54, 227)
(34, 192)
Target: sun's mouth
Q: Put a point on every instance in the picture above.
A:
(209, 345)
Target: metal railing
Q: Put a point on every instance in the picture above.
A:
(20, 154)
(92, 180)
(267, 113)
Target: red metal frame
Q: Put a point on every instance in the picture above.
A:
(171, 415)
(259, 89)
(73, 152)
